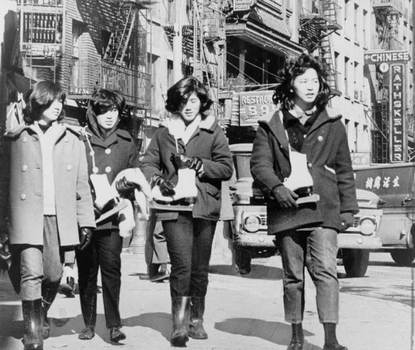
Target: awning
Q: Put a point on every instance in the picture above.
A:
(268, 20)
(262, 28)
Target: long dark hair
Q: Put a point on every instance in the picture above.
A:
(179, 93)
(284, 93)
(40, 98)
(104, 100)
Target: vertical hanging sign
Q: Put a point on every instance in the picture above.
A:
(397, 120)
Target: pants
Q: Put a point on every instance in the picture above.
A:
(316, 250)
(35, 267)
(189, 243)
(104, 252)
(156, 246)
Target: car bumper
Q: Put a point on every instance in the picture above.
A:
(253, 240)
(358, 241)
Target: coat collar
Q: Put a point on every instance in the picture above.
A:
(208, 123)
(16, 132)
(113, 138)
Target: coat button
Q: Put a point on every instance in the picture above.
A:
(23, 196)
(320, 138)
(108, 151)
(24, 168)
(66, 139)
(24, 139)
(91, 153)
(309, 165)
(69, 168)
(108, 169)
(95, 170)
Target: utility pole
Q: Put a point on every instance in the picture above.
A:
(177, 42)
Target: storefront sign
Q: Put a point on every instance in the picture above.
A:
(360, 158)
(242, 5)
(254, 105)
(377, 57)
(397, 126)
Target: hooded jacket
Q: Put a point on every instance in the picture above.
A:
(328, 159)
(110, 154)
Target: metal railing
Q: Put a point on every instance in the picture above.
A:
(86, 77)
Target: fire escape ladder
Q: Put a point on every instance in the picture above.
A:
(118, 49)
(315, 30)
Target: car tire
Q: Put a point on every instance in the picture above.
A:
(243, 261)
(403, 257)
(355, 262)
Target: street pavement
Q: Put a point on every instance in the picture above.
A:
(242, 312)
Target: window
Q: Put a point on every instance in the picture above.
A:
(346, 17)
(346, 76)
(356, 22)
(336, 68)
(365, 23)
(356, 77)
(169, 73)
(76, 76)
(171, 11)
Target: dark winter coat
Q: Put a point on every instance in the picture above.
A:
(21, 190)
(207, 143)
(328, 160)
(112, 155)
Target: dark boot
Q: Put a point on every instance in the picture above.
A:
(33, 324)
(181, 314)
(330, 338)
(197, 309)
(89, 312)
(297, 337)
(49, 292)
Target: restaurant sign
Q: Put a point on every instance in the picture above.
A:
(254, 105)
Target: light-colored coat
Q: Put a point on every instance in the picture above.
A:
(21, 186)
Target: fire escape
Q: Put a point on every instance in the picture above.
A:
(207, 26)
(315, 29)
(124, 60)
(387, 20)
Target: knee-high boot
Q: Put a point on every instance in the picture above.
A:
(49, 292)
(33, 324)
(181, 314)
(197, 309)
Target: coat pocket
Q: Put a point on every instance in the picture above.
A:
(212, 201)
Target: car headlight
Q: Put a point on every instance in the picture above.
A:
(252, 223)
(367, 226)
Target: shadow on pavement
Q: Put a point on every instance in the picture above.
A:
(257, 271)
(159, 321)
(274, 332)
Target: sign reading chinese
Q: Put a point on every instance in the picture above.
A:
(254, 105)
(360, 158)
(397, 121)
(377, 57)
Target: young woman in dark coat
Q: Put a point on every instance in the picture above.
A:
(303, 125)
(189, 234)
(109, 150)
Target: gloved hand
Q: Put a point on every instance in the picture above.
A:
(4, 247)
(180, 161)
(166, 187)
(284, 197)
(347, 220)
(123, 185)
(85, 237)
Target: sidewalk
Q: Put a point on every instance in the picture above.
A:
(241, 313)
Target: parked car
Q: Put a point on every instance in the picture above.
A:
(395, 186)
(249, 227)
